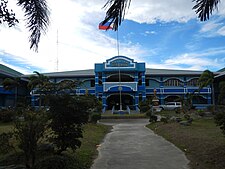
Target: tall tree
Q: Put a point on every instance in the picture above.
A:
(206, 79)
(222, 92)
(116, 10)
(40, 83)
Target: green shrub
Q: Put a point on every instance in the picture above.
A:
(5, 142)
(187, 116)
(164, 119)
(153, 118)
(148, 113)
(220, 119)
(200, 112)
(58, 162)
(95, 117)
(7, 115)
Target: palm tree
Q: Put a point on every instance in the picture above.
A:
(37, 18)
(39, 82)
(206, 79)
(117, 9)
(65, 85)
(12, 83)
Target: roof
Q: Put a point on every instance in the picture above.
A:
(222, 74)
(150, 71)
(9, 72)
(221, 70)
(88, 72)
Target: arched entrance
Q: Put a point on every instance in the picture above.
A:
(172, 99)
(114, 100)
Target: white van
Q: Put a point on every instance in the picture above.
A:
(171, 106)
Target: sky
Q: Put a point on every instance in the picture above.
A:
(163, 34)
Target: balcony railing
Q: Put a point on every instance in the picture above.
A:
(109, 85)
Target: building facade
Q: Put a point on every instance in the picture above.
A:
(121, 84)
(17, 92)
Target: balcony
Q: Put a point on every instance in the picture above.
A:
(115, 86)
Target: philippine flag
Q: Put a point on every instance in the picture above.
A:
(106, 26)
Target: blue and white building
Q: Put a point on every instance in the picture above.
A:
(121, 83)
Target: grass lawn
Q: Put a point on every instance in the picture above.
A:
(123, 116)
(203, 142)
(93, 136)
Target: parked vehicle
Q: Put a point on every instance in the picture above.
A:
(171, 106)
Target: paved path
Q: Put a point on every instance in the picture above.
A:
(130, 145)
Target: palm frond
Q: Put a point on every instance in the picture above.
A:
(204, 8)
(37, 15)
(116, 12)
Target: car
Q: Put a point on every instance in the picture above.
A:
(171, 106)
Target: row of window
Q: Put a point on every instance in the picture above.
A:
(170, 82)
(176, 82)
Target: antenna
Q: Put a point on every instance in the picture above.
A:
(57, 52)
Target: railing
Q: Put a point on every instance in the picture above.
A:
(128, 109)
(108, 85)
(137, 109)
(103, 110)
(113, 109)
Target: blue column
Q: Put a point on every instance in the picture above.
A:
(136, 77)
(143, 85)
(104, 104)
(136, 100)
(33, 100)
(103, 77)
(96, 84)
(209, 100)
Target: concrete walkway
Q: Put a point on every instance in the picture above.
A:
(130, 145)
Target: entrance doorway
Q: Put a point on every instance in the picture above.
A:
(114, 100)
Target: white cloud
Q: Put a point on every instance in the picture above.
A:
(151, 11)
(209, 26)
(194, 61)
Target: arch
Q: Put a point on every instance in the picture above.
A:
(173, 82)
(172, 98)
(200, 100)
(124, 78)
(114, 100)
(193, 82)
(177, 78)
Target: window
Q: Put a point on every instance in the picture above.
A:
(192, 82)
(146, 82)
(173, 82)
(92, 83)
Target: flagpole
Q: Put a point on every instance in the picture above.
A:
(118, 52)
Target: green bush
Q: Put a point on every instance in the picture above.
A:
(148, 113)
(144, 106)
(220, 119)
(164, 119)
(153, 118)
(7, 115)
(95, 117)
(5, 142)
(58, 162)
(200, 112)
